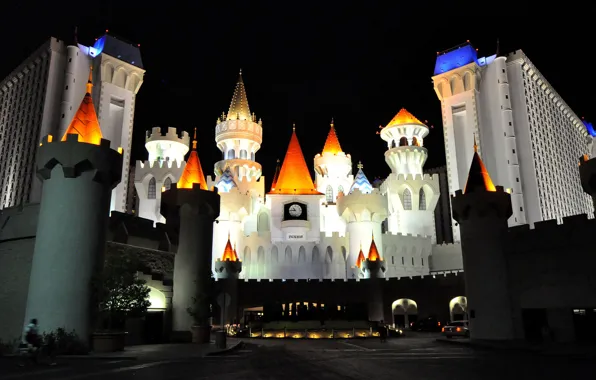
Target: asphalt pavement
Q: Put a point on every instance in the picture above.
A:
(416, 356)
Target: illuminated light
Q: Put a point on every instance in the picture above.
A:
(157, 299)
(193, 172)
(478, 177)
(120, 150)
(589, 128)
(229, 253)
(360, 258)
(138, 45)
(404, 117)
(275, 176)
(373, 252)
(294, 176)
(107, 30)
(455, 58)
(85, 123)
(332, 143)
(163, 189)
(50, 138)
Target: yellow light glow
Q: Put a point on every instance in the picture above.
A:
(163, 188)
(120, 150)
(50, 138)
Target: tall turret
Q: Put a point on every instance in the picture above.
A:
(239, 136)
(163, 168)
(373, 269)
(227, 269)
(333, 175)
(363, 210)
(482, 210)
(79, 172)
(192, 208)
(412, 195)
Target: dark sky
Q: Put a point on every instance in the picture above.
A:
(306, 62)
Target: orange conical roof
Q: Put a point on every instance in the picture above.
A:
(276, 175)
(404, 117)
(193, 172)
(294, 177)
(332, 143)
(478, 177)
(85, 122)
(229, 253)
(373, 252)
(360, 258)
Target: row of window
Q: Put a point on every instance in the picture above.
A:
(152, 189)
(243, 155)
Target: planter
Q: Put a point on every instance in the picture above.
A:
(201, 334)
(108, 342)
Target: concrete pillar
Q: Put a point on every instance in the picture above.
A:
(482, 216)
(194, 210)
(71, 231)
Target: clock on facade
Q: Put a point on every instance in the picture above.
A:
(295, 210)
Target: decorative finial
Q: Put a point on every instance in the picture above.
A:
(194, 140)
(241, 71)
(293, 127)
(475, 145)
(373, 235)
(278, 160)
(359, 166)
(332, 123)
(90, 80)
(228, 234)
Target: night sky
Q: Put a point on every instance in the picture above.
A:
(306, 62)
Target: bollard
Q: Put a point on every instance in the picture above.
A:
(220, 339)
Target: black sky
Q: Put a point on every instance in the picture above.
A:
(306, 62)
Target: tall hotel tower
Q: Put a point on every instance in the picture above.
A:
(528, 137)
(41, 96)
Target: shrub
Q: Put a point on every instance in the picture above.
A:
(61, 342)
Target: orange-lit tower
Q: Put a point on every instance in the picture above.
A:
(192, 208)
(226, 272)
(482, 210)
(78, 172)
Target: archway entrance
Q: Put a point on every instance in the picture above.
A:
(458, 308)
(405, 312)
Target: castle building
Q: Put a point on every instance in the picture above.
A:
(41, 97)
(527, 134)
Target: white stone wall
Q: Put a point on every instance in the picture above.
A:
(149, 207)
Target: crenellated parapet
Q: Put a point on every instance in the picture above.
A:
(357, 206)
(235, 204)
(169, 146)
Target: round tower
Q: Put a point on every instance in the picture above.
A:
(373, 269)
(412, 196)
(78, 174)
(239, 136)
(192, 208)
(333, 168)
(363, 211)
(163, 168)
(482, 210)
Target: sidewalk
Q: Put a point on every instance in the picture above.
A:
(570, 349)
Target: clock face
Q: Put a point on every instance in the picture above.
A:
(295, 210)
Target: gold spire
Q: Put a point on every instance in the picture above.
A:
(84, 122)
(478, 177)
(239, 109)
(332, 143)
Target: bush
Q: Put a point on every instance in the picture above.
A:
(7, 348)
(61, 342)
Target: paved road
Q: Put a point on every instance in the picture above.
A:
(413, 357)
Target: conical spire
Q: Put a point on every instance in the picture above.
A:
(193, 172)
(360, 258)
(229, 253)
(373, 252)
(332, 143)
(361, 182)
(85, 122)
(239, 109)
(276, 175)
(294, 177)
(478, 177)
(404, 117)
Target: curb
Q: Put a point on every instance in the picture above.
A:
(238, 345)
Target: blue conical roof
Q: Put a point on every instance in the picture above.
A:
(226, 181)
(361, 182)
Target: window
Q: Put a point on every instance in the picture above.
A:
(167, 183)
(513, 151)
(392, 261)
(329, 194)
(407, 199)
(423, 261)
(503, 70)
(412, 261)
(151, 189)
(422, 200)
(506, 96)
(402, 261)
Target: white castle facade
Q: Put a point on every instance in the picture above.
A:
(302, 229)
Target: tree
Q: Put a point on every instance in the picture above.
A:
(120, 293)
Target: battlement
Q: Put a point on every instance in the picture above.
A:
(140, 232)
(146, 165)
(413, 177)
(239, 129)
(282, 282)
(553, 226)
(171, 134)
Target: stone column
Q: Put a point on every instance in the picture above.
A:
(71, 231)
(482, 216)
(195, 211)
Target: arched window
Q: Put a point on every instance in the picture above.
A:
(415, 141)
(231, 154)
(252, 156)
(393, 145)
(422, 200)
(340, 189)
(407, 199)
(243, 154)
(329, 194)
(167, 183)
(403, 141)
(151, 190)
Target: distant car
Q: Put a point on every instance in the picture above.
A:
(430, 324)
(456, 328)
